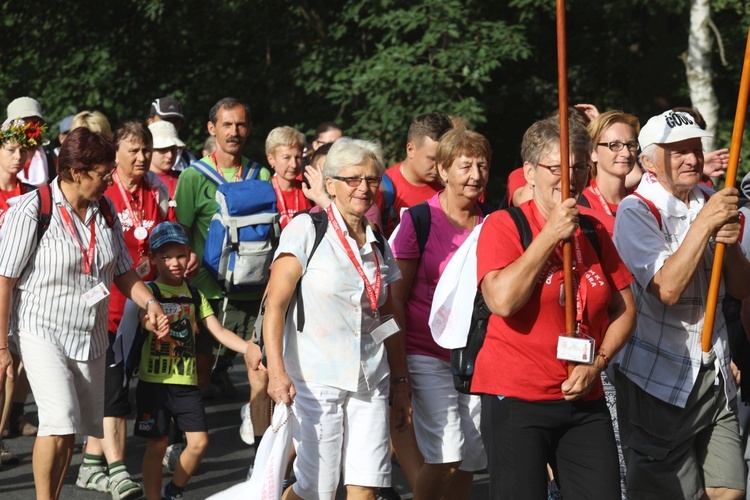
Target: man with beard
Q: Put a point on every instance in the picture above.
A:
(229, 123)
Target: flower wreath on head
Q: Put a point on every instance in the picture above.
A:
(26, 134)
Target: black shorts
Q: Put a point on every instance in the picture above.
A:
(158, 404)
(116, 403)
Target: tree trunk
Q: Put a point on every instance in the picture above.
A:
(698, 67)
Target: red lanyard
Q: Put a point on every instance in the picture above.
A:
(599, 195)
(578, 284)
(221, 173)
(372, 293)
(88, 255)
(285, 216)
(136, 213)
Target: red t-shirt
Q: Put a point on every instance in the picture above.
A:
(146, 200)
(6, 195)
(290, 203)
(516, 180)
(519, 356)
(406, 195)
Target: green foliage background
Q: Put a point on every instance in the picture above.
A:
(371, 65)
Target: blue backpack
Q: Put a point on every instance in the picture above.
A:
(244, 233)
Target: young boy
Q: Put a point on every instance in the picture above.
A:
(167, 387)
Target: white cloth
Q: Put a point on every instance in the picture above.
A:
(335, 346)
(445, 421)
(664, 354)
(453, 301)
(38, 171)
(270, 461)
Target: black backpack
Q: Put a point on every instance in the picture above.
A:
(463, 358)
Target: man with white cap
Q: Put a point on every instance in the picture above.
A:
(169, 109)
(676, 404)
(167, 147)
(38, 168)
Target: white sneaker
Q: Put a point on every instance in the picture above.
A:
(246, 429)
(172, 456)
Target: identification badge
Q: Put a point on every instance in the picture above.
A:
(143, 267)
(577, 349)
(387, 327)
(96, 294)
(140, 233)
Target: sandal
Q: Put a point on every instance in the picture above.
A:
(122, 487)
(93, 478)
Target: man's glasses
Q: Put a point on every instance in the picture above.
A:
(616, 146)
(105, 177)
(372, 182)
(579, 169)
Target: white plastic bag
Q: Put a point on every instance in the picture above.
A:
(270, 461)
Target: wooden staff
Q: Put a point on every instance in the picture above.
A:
(731, 177)
(562, 99)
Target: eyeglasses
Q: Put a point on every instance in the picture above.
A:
(105, 177)
(579, 169)
(372, 182)
(616, 146)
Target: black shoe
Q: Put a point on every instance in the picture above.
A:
(224, 383)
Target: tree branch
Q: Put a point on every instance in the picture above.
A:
(718, 41)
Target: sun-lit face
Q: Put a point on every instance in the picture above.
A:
(133, 158)
(286, 161)
(615, 163)
(231, 130)
(466, 177)
(355, 201)
(547, 186)
(171, 262)
(422, 159)
(677, 166)
(12, 157)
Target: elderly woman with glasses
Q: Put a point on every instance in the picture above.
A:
(615, 145)
(54, 299)
(338, 366)
(533, 411)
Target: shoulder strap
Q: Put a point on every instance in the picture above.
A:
(486, 208)
(196, 296)
(522, 225)
(210, 173)
(389, 191)
(155, 290)
(252, 170)
(421, 220)
(379, 242)
(320, 222)
(588, 228)
(44, 193)
(106, 211)
(651, 207)
(583, 201)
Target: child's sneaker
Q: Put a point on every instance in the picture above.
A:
(93, 478)
(172, 456)
(122, 487)
(246, 429)
(166, 494)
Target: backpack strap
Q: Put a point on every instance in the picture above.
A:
(583, 202)
(651, 207)
(588, 228)
(210, 173)
(320, 222)
(522, 225)
(155, 291)
(44, 193)
(251, 171)
(389, 199)
(421, 218)
(486, 208)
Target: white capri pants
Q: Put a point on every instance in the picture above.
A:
(338, 427)
(446, 422)
(68, 393)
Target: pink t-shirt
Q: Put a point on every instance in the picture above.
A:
(444, 240)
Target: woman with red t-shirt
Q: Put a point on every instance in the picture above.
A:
(284, 146)
(534, 413)
(12, 159)
(614, 135)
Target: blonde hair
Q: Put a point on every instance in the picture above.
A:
(92, 120)
(601, 123)
(284, 136)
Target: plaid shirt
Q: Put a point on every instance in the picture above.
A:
(664, 354)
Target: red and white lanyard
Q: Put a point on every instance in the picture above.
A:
(136, 212)
(88, 254)
(373, 293)
(578, 288)
(282, 203)
(599, 195)
(221, 173)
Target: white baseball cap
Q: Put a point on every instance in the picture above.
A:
(24, 107)
(669, 127)
(165, 135)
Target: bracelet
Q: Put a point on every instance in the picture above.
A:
(400, 380)
(605, 357)
(148, 303)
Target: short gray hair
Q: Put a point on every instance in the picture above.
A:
(544, 136)
(347, 152)
(648, 152)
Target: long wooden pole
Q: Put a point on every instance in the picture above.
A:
(734, 159)
(562, 98)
